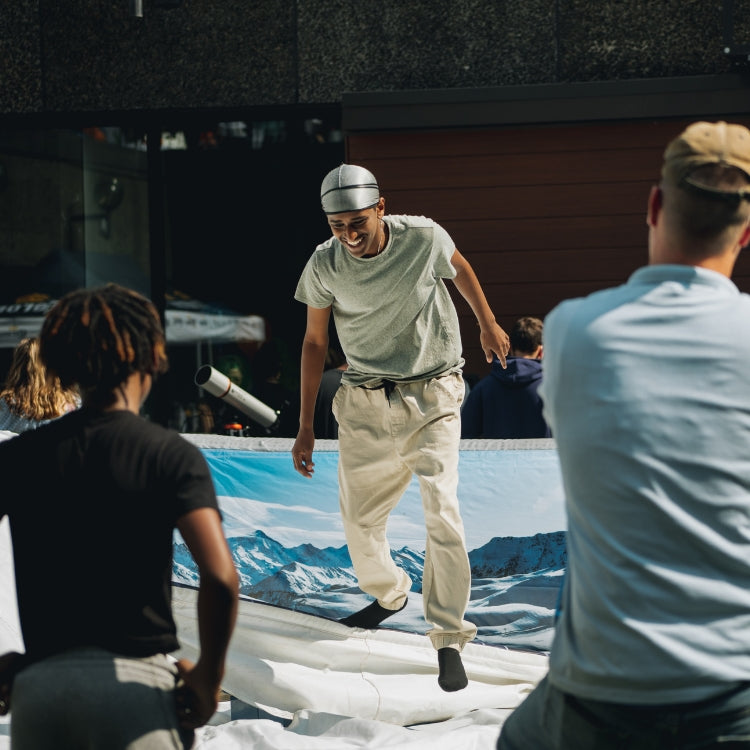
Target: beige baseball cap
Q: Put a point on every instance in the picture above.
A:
(704, 143)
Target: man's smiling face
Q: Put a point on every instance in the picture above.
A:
(358, 231)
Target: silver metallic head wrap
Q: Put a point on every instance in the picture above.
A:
(348, 188)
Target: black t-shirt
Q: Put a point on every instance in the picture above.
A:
(93, 499)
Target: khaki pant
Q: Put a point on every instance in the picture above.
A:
(385, 438)
(90, 698)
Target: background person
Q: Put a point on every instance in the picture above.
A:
(270, 387)
(31, 396)
(325, 425)
(506, 403)
(646, 390)
(96, 496)
(398, 406)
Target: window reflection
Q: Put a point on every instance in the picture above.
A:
(75, 205)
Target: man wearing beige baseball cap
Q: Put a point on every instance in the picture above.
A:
(647, 391)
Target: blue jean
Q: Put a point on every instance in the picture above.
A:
(549, 719)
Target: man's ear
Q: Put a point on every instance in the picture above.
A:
(745, 236)
(655, 199)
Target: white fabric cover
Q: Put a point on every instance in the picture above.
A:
(343, 689)
(476, 730)
(10, 627)
(284, 661)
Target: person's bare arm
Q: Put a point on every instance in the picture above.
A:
(314, 347)
(198, 692)
(491, 336)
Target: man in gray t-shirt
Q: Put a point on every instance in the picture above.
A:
(398, 407)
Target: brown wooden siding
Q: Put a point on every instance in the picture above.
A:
(543, 213)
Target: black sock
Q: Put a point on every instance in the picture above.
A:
(371, 616)
(452, 676)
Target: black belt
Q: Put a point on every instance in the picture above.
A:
(385, 385)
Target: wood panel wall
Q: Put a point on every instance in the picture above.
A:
(542, 213)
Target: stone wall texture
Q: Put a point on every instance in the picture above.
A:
(97, 55)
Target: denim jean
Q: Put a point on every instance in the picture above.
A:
(549, 719)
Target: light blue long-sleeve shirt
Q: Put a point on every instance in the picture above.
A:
(647, 391)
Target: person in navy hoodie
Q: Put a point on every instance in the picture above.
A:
(505, 403)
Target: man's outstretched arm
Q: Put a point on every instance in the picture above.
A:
(492, 337)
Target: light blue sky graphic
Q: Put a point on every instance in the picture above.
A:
(502, 493)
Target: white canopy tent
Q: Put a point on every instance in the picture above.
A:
(190, 322)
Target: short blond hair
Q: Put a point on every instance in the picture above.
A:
(706, 210)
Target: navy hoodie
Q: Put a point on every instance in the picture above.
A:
(505, 403)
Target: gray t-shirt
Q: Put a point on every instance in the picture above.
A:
(394, 316)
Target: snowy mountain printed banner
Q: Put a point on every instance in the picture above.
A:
(287, 540)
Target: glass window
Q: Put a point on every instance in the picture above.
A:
(73, 212)
(205, 232)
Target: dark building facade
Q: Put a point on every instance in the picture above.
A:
(178, 146)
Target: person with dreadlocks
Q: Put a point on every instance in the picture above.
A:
(31, 396)
(92, 542)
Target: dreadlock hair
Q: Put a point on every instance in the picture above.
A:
(30, 390)
(97, 338)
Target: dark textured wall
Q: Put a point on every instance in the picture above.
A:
(84, 55)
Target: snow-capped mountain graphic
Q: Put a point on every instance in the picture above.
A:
(515, 583)
(331, 557)
(412, 563)
(258, 556)
(509, 555)
(292, 581)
